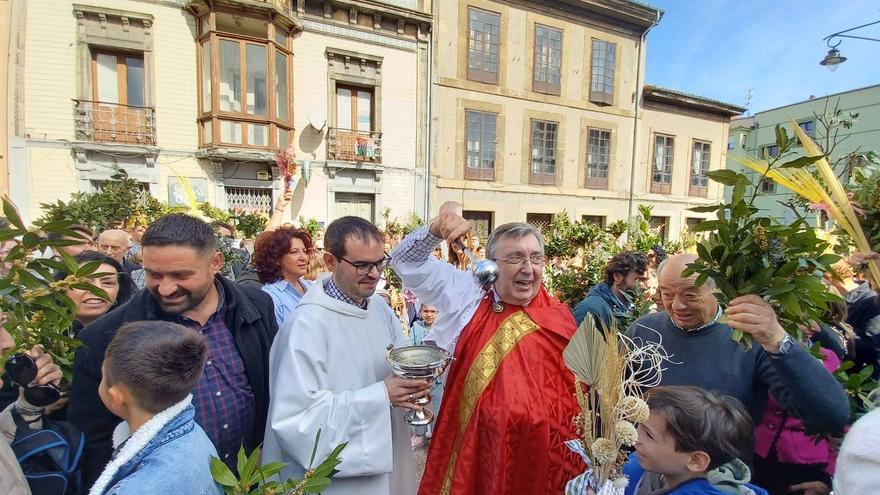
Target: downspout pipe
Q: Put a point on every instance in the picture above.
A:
(635, 142)
(429, 148)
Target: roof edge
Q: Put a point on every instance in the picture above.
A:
(687, 100)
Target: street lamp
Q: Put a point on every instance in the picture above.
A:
(834, 57)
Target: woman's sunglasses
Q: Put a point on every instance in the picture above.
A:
(22, 370)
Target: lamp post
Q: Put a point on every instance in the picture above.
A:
(834, 57)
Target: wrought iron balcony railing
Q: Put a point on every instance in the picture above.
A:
(354, 146)
(114, 123)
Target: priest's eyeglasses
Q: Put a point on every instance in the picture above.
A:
(517, 260)
(364, 267)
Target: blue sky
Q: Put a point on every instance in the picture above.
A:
(722, 48)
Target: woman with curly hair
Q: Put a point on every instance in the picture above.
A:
(281, 259)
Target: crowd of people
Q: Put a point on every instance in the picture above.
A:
(185, 357)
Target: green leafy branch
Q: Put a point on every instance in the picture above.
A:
(254, 479)
(746, 253)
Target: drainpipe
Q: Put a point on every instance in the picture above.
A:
(430, 138)
(635, 144)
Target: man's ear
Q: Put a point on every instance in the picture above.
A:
(216, 262)
(618, 277)
(330, 261)
(698, 462)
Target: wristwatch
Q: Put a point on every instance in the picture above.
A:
(784, 346)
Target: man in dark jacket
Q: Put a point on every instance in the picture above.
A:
(182, 267)
(623, 272)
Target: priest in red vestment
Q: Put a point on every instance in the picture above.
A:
(509, 401)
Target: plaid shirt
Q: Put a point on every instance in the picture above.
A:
(223, 397)
(335, 293)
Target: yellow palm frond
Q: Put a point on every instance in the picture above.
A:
(829, 193)
(189, 192)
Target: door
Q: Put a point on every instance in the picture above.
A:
(356, 205)
(354, 123)
(119, 112)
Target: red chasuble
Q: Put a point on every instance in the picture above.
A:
(508, 406)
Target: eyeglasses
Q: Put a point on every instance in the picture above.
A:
(364, 267)
(517, 260)
(22, 370)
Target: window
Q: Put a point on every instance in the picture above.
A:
(596, 220)
(540, 221)
(731, 142)
(768, 186)
(693, 222)
(118, 78)
(245, 82)
(661, 225)
(602, 72)
(598, 153)
(661, 173)
(547, 76)
(353, 138)
(543, 159)
(117, 111)
(699, 167)
(484, 31)
(481, 223)
(808, 127)
(481, 140)
(770, 151)
(250, 199)
(742, 141)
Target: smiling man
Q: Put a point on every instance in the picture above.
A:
(329, 372)
(509, 398)
(702, 353)
(181, 263)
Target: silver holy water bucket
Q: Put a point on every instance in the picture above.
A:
(419, 362)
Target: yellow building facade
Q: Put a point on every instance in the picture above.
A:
(210, 90)
(537, 106)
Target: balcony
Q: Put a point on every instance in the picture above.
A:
(114, 123)
(354, 146)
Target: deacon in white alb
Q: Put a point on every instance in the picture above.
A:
(328, 371)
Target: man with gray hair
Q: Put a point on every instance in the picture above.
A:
(508, 392)
(698, 339)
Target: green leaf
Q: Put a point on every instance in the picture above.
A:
(802, 161)
(221, 473)
(705, 226)
(272, 469)
(739, 192)
(11, 213)
(701, 279)
(315, 448)
(827, 260)
(6, 234)
(316, 485)
(726, 177)
(250, 473)
(240, 462)
(705, 209)
(781, 137)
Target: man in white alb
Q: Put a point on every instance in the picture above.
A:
(328, 371)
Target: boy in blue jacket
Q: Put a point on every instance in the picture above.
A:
(691, 445)
(149, 372)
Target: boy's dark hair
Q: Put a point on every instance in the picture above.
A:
(699, 420)
(343, 228)
(624, 263)
(159, 361)
(179, 229)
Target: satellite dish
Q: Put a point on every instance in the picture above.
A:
(317, 117)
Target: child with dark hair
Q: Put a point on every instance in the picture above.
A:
(150, 370)
(691, 444)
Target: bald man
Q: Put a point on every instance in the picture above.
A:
(115, 243)
(702, 353)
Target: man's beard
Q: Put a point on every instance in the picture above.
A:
(188, 302)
